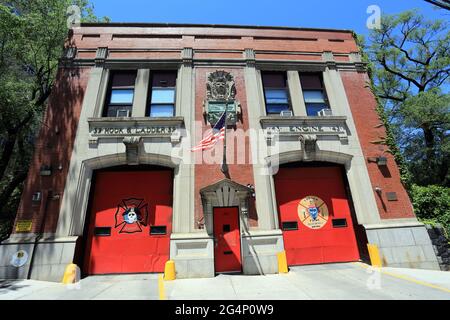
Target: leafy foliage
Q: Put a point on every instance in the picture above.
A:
(410, 66)
(430, 109)
(390, 139)
(432, 203)
(32, 38)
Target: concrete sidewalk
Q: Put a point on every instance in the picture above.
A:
(107, 287)
(349, 281)
(316, 282)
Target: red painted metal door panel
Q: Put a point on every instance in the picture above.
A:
(127, 205)
(304, 197)
(227, 246)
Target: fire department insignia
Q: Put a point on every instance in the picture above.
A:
(131, 215)
(313, 212)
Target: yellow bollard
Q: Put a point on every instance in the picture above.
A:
(71, 274)
(282, 262)
(374, 254)
(169, 270)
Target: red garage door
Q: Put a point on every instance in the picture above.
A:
(131, 222)
(315, 215)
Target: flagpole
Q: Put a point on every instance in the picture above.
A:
(224, 167)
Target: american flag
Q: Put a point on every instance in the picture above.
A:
(217, 133)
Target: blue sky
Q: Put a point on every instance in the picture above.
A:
(344, 14)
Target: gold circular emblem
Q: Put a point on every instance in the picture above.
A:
(313, 212)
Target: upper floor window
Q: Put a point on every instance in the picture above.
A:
(313, 93)
(120, 94)
(276, 92)
(162, 95)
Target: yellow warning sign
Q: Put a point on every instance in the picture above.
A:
(24, 225)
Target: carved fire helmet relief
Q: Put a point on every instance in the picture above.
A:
(221, 93)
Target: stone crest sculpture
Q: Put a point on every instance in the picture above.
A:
(221, 93)
(220, 86)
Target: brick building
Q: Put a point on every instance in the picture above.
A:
(115, 187)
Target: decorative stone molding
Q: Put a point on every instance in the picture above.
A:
(70, 53)
(187, 55)
(328, 57)
(304, 128)
(224, 193)
(250, 57)
(309, 142)
(100, 56)
(220, 86)
(68, 57)
(221, 93)
(308, 65)
(132, 149)
(355, 57)
(93, 141)
(175, 138)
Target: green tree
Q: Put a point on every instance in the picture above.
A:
(411, 68)
(32, 38)
(432, 204)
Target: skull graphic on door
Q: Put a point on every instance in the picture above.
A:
(131, 215)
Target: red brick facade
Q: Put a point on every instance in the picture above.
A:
(161, 43)
(207, 174)
(54, 147)
(370, 132)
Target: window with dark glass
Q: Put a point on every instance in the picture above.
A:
(276, 92)
(120, 95)
(313, 93)
(162, 95)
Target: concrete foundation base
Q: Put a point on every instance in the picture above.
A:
(47, 258)
(403, 244)
(193, 254)
(259, 251)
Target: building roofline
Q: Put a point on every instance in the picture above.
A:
(193, 25)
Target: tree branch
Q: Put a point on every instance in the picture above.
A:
(397, 73)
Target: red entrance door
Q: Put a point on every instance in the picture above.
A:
(227, 241)
(131, 221)
(314, 215)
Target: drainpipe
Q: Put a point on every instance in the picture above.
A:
(38, 235)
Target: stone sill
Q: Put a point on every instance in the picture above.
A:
(200, 235)
(262, 233)
(28, 238)
(394, 223)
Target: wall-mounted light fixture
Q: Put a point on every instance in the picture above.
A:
(252, 188)
(380, 160)
(378, 190)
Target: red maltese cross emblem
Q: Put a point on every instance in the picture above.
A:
(131, 215)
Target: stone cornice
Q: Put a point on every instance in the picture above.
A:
(300, 65)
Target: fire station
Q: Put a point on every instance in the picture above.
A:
(115, 186)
